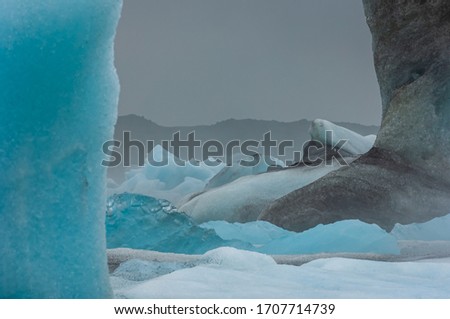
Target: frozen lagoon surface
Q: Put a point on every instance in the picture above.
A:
(231, 273)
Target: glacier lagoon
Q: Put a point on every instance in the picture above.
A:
(49, 254)
(218, 259)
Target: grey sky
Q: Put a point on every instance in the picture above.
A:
(186, 62)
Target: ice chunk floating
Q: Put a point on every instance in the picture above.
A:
(57, 107)
(344, 236)
(435, 229)
(142, 222)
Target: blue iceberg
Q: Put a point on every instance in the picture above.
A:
(143, 222)
(58, 105)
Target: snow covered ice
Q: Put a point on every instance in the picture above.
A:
(57, 107)
(230, 273)
(244, 199)
(356, 143)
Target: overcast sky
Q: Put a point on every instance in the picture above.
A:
(188, 62)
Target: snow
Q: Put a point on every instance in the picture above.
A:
(356, 144)
(230, 273)
(58, 105)
(244, 199)
(435, 229)
(172, 181)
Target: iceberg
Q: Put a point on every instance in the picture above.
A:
(245, 198)
(172, 181)
(237, 168)
(143, 222)
(435, 229)
(405, 177)
(58, 105)
(355, 144)
(350, 236)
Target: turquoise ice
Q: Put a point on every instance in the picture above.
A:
(143, 222)
(58, 104)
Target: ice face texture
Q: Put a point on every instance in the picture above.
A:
(57, 107)
(143, 222)
(412, 61)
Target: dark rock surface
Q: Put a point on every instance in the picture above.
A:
(405, 178)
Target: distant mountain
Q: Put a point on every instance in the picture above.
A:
(144, 130)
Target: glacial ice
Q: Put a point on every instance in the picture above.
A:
(244, 199)
(172, 181)
(356, 144)
(435, 229)
(58, 105)
(344, 236)
(237, 168)
(257, 233)
(142, 222)
(230, 273)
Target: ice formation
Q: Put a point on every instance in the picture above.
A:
(355, 144)
(405, 177)
(244, 199)
(142, 222)
(344, 236)
(171, 181)
(435, 229)
(57, 106)
(238, 168)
